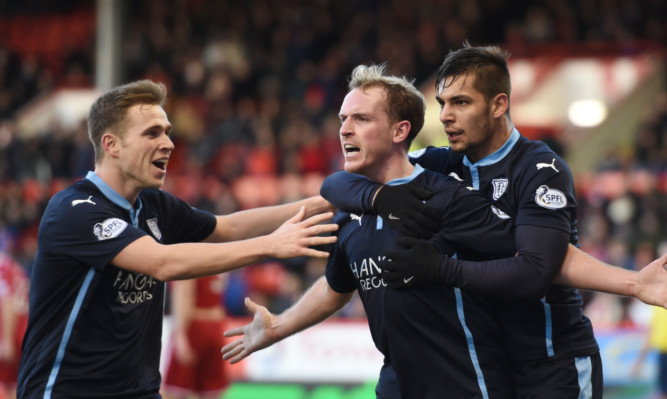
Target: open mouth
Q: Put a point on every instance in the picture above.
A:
(349, 149)
(160, 164)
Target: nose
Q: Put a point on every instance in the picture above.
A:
(346, 128)
(445, 114)
(167, 143)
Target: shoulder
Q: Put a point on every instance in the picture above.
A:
(77, 199)
(437, 182)
(535, 157)
(439, 159)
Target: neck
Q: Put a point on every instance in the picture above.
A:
(117, 183)
(501, 134)
(396, 168)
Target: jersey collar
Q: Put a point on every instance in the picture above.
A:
(416, 172)
(499, 154)
(114, 197)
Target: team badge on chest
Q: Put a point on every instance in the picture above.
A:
(499, 187)
(152, 224)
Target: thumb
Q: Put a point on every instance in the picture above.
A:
(250, 305)
(420, 193)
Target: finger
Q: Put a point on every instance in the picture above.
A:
(231, 346)
(299, 215)
(233, 332)
(233, 352)
(317, 240)
(319, 218)
(250, 305)
(237, 356)
(322, 228)
(314, 253)
(240, 357)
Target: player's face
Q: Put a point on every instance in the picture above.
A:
(145, 146)
(366, 132)
(467, 118)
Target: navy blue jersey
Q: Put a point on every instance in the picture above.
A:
(440, 341)
(94, 330)
(535, 186)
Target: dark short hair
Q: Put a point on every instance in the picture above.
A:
(108, 112)
(404, 101)
(487, 63)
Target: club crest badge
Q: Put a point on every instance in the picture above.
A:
(499, 188)
(152, 225)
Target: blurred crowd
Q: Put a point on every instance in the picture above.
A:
(254, 90)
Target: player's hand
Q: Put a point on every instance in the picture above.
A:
(419, 263)
(403, 208)
(295, 237)
(254, 336)
(651, 286)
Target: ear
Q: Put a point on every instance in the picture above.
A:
(110, 144)
(402, 131)
(499, 105)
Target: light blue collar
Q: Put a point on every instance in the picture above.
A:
(402, 180)
(499, 154)
(114, 197)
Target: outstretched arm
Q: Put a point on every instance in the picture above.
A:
(317, 304)
(584, 271)
(254, 222)
(189, 260)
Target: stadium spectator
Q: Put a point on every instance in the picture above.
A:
(108, 244)
(194, 367)
(14, 285)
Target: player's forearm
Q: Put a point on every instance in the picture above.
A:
(260, 221)
(190, 260)
(316, 305)
(584, 271)
(349, 192)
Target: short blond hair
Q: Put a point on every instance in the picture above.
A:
(404, 101)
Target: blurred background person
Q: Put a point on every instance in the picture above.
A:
(194, 366)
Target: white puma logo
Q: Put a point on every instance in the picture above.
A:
(548, 165)
(356, 217)
(77, 202)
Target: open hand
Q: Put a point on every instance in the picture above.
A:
(295, 237)
(253, 337)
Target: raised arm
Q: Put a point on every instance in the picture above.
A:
(316, 305)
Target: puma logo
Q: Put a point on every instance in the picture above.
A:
(77, 202)
(548, 165)
(356, 217)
